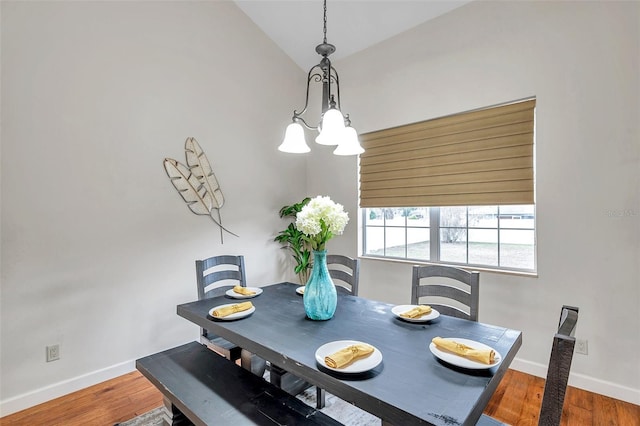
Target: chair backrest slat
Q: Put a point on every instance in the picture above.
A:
(350, 274)
(448, 291)
(216, 276)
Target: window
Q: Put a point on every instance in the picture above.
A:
(479, 164)
(500, 237)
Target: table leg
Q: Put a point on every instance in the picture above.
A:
(172, 415)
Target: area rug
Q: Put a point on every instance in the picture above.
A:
(340, 410)
(150, 418)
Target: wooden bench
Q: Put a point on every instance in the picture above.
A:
(204, 388)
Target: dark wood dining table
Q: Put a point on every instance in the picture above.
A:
(410, 386)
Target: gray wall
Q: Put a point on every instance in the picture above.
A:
(581, 61)
(97, 246)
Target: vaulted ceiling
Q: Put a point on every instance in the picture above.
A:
(352, 25)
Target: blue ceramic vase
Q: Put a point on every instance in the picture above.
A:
(320, 298)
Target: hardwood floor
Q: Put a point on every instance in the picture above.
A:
(516, 402)
(106, 403)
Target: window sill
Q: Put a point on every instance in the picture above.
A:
(465, 267)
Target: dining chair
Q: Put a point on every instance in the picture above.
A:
(557, 379)
(450, 290)
(345, 270)
(214, 276)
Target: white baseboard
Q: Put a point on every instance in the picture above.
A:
(582, 381)
(47, 393)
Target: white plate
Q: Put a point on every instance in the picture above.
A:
(358, 366)
(232, 317)
(300, 290)
(463, 362)
(400, 309)
(235, 295)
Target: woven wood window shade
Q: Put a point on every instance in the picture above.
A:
(482, 157)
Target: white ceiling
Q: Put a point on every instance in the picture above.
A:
(352, 25)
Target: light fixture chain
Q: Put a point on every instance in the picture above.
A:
(325, 22)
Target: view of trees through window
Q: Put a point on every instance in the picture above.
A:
(501, 237)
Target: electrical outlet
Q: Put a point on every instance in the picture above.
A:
(53, 353)
(582, 347)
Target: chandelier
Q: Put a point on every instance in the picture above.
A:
(334, 128)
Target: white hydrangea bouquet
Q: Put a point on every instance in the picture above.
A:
(321, 220)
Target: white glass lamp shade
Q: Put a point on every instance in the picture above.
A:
(332, 128)
(294, 141)
(350, 145)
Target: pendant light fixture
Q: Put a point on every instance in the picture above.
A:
(334, 128)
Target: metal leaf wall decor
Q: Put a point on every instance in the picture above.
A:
(197, 184)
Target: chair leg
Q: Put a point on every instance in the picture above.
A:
(320, 398)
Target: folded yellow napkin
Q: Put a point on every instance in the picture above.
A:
(486, 356)
(346, 356)
(232, 309)
(417, 312)
(243, 290)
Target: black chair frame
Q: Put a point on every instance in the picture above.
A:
(209, 286)
(467, 295)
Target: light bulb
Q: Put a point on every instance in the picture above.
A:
(332, 128)
(349, 144)
(294, 141)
